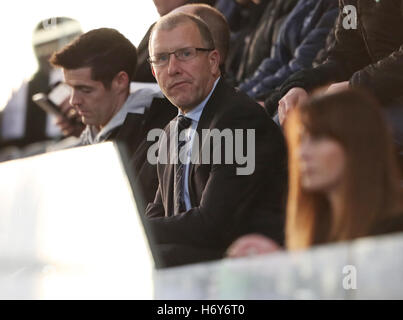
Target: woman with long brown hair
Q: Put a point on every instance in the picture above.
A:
(343, 177)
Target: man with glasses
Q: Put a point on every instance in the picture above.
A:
(201, 206)
(217, 24)
(143, 73)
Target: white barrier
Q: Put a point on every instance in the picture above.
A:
(69, 228)
(370, 268)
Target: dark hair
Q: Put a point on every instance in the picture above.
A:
(106, 51)
(173, 19)
(371, 187)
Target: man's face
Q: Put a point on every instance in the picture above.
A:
(95, 104)
(166, 6)
(185, 83)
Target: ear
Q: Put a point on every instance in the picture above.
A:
(152, 71)
(121, 81)
(214, 60)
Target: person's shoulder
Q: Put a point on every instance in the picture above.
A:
(390, 225)
(240, 106)
(161, 107)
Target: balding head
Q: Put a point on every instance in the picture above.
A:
(216, 22)
(174, 19)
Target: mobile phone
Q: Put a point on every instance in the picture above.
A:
(59, 93)
(51, 102)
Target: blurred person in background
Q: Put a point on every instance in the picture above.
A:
(367, 53)
(243, 19)
(226, 7)
(22, 122)
(342, 175)
(259, 44)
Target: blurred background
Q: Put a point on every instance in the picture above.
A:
(18, 20)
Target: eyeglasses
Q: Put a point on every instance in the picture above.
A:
(184, 54)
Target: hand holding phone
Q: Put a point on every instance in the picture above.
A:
(56, 103)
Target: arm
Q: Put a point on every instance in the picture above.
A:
(12, 124)
(156, 209)
(267, 67)
(347, 56)
(71, 125)
(304, 55)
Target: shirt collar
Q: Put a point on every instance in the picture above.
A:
(196, 113)
(136, 102)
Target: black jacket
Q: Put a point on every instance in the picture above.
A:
(370, 56)
(258, 45)
(242, 26)
(224, 205)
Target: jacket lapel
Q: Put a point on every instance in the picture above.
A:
(209, 111)
(168, 172)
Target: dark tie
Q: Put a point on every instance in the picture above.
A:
(179, 190)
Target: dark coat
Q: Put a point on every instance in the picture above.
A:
(224, 205)
(370, 56)
(258, 45)
(143, 72)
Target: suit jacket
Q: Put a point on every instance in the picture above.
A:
(143, 70)
(224, 205)
(133, 136)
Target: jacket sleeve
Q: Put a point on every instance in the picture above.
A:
(347, 55)
(267, 67)
(304, 55)
(156, 209)
(384, 78)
